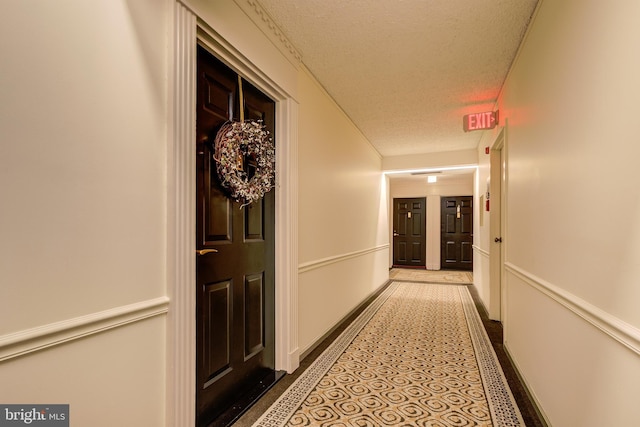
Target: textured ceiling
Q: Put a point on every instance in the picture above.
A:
(406, 71)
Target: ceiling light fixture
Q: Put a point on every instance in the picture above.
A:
(431, 170)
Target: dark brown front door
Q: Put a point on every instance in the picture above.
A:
(235, 281)
(456, 250)
(409, 237)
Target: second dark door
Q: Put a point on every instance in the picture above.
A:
(456, 247)
(409, 236)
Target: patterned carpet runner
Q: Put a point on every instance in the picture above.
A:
(417, 356)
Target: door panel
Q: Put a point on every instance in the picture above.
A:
(217, 319)
(400, 252)
(456, 233)
(254, 301)
(409, 237)
(254, 222)
(217, 226)
(235, 295)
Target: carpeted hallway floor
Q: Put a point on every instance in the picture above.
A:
(479, 414)
(431, 276)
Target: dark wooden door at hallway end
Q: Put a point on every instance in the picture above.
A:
(456, 248)
(409, 232)
(235, 284)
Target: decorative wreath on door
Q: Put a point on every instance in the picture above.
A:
(238, 142)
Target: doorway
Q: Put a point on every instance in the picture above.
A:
(456, 233)
(409, 232)
(181, 211)
(496, 228)
(235, 262)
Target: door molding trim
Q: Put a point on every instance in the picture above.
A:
(497, 228)
(188, 31)
(181, 195)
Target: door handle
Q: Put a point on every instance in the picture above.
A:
(395, 234)
(498, 240)
(205, 251)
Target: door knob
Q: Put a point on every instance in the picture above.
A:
(498, 240)
(205, 251)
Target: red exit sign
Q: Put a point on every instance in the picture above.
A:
(480, 121)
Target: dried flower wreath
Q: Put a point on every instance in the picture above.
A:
(236, 141)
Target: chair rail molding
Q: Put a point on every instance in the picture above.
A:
(616, 328)
(27, 341)
(312, 265)
(481, 251)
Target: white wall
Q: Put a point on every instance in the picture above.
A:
(461, 185)
(572, 236)
(343, 240)
(83, 109)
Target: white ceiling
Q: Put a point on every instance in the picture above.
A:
(406, 71)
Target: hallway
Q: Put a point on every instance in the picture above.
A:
(99, 157)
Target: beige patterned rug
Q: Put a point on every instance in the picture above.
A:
(417, 356)
(431, 276)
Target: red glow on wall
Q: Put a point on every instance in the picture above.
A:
(480, 121)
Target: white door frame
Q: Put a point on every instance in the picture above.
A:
(497, 229)
(188, 31)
